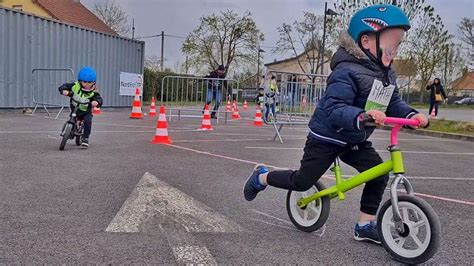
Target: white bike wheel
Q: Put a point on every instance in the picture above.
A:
(421, 239)
(314, 215)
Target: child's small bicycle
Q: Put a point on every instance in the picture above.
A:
(74, 127)
(408, 226)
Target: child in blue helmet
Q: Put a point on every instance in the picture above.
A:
(361, 69)
(85, 89)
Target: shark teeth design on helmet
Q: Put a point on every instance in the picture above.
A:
(375, 23)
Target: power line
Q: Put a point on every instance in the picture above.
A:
(175, 36)
(159, 35)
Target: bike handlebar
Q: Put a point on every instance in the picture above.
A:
(402, 121)
(369, 121)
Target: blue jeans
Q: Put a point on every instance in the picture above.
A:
(434, 104)
(213, 93)
(267, 110)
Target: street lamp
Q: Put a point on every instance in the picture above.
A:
(327, 12)
(258, 64)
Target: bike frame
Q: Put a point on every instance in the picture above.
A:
(395, 165)
(74, 120)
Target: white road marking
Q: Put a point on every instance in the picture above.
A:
(270, 216)
(216, 140)
(277, 225)
(221, 156)
(186, 249)
(152, 197)
(384, 151)
(445, 199)
(96, 131)
(276, 167)
(319, 232)
(193, 255)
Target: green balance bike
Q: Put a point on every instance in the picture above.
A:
(408, 226)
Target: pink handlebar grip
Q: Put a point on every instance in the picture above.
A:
(402, 121)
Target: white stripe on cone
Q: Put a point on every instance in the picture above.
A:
(161, 132)
(136, 109)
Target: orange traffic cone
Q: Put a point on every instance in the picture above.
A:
(152, 107)
(433, 113)
(258, 122)
(235, 112)
(137, 106)
(206, 119)
(161, 134)
(228, 105)
(245, 105)
(96, 111)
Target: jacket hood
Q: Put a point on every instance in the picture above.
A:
(349, 51)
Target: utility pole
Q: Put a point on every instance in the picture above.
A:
(446, 65)
(186, 65)
(327, 12)
(162, 50)
(258, 65)
(133, 29)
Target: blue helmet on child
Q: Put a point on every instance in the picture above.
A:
(377, 18)
(87, 74)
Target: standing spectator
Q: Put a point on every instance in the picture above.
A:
(260, 98)
(291, 90)
(216, 85)
(437, 95)
(271, 90)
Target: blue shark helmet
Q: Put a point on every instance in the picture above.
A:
(377, 18)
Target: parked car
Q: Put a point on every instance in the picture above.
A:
(467, 101)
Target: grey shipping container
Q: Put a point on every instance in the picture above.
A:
(29, 42)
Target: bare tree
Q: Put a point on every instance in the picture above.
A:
(466, 35)
(153, 62)
(113, 15)
(303, 40)
(465, 32)
(406, 73)
(225, 39)
(347, 8)
(427, 45)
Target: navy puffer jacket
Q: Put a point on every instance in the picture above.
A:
(335, 119)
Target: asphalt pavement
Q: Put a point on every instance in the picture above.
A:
(125, 200)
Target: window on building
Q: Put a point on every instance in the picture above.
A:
(18, 7)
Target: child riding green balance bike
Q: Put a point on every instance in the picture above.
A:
(360, 90)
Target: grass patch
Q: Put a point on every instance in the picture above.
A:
(441, 106)
(449, 126)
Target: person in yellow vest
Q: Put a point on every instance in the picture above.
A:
(271, 90)
(84, 88)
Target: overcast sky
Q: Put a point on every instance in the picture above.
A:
(179, 17)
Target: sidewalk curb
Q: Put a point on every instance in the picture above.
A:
(436, 134)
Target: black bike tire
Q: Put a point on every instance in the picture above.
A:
(66, 136)
(78, 140)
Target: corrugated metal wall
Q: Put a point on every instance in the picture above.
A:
(28, 42)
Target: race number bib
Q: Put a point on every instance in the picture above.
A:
(379, 97)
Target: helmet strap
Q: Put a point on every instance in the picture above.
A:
(378, 59)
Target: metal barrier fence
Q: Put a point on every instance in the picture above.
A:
(297, 98)
(189, 94)
(44, 88)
